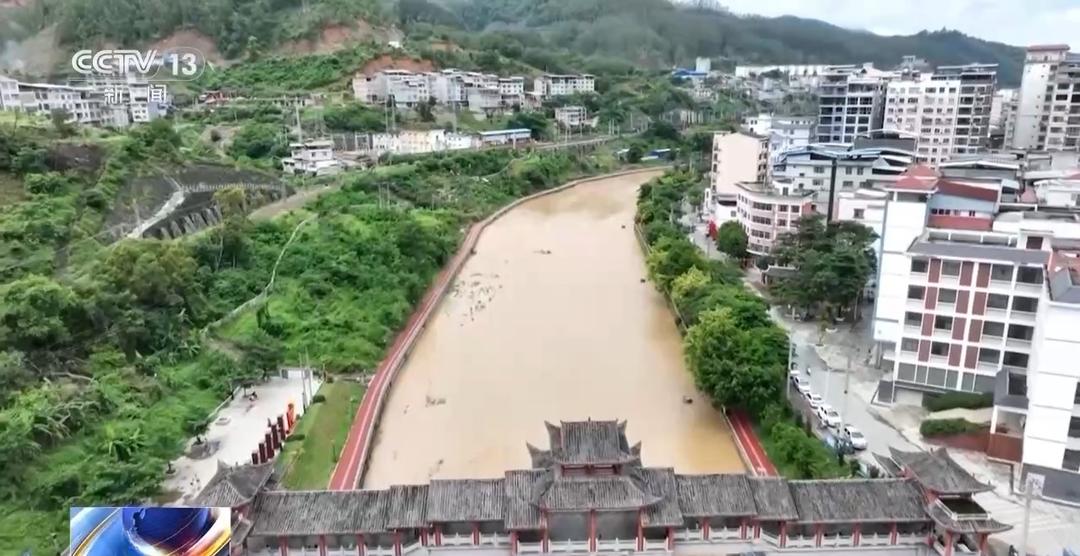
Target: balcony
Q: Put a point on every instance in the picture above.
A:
(1014, 397)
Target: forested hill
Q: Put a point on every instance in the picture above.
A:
(649, 33)
(659, 33)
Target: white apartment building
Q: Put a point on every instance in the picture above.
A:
(737, 157)
(999, 107)
(802, 75)
(552, 85)
(419, 142)
(767, 210)
(1048, 105)
(976, 298)
(851, 102)
(765, 122)
(312, 158)
(485, 100)
(948, 111)
(859, 166)
(83, 105)
(447, 87)
(573, 116)
(512, 90)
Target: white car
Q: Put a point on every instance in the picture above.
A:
(829, 416)
(814, 400)
(804, 387)
(855, 436)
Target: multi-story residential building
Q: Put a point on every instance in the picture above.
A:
(999, 112)
(485, 100)
(766, 210)
(447, 87)
(512, 90)
(419, 141)
(551, 85)
(865, 164)
(801, 75)
(851, 102)
(736, 157)
(83, 105)
(1048, 105)
(312, 158)
(573, 116)
(977, 295)
(765, 123)
(948, 111)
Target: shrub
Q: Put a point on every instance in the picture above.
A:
(947, 427)
(954, 400)
(297, 437)
(318, 398)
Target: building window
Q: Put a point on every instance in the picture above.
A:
(912, 319)
(1014, 359)
(940, 349)
(1074, 427)
(943, 323)
(919, 265)
(916, 292)
(946, 296)
(987, 355)
(819, 169)
(1021, 332)
(818, 183)
(1017, 384)
(1076, 395)
(1029, 275)
(950, 268)
(1001, 273)
(1025, 304)
(909, 344)
(1071, 461)
(859, 214)
(995, 329)
(997, 301)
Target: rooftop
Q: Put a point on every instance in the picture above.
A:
(938, 472)
(520, 499)
(974, 245)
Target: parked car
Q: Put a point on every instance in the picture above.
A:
(804, 387)
(855, 436)
(794, 366)
(814, 400)
(828, 416)
(795, 378)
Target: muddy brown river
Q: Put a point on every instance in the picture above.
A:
(549, 320)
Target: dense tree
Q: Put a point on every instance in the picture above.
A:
(36, 313)
(736, 366)
(833, 262)
(669, 258)
(731, 239)
(257, 140)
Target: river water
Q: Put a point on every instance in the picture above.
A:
(549, 320)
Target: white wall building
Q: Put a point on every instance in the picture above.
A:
(552, 85)
(809, 168)
(999, 107)
(736, 157)
(851, 102)
(948, 111)
(974, 299)
(1048, 105)
(573, 117)
(766, 211)
(83, 105)
(419, 142)
(313, 158)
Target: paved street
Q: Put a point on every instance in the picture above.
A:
(845, 350)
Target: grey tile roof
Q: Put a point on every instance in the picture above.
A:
(466, 500)
(589, 442)
(608, 492)
(858, 500)
(887, 464)
(406, 506)
(715, 495)
(985, 524)
(234, 486)
(660, 483)
(523, 489)
(323, 512)
(772, 498)
(938, 472)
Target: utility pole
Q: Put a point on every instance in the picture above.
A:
(832, 191)
(1033, 486)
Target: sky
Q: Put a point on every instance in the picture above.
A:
(1017, 22)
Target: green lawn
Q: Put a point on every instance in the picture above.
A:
(325, 426)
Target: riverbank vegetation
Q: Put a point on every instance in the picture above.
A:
(105, 371)
(312, 449)
(735, 351)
